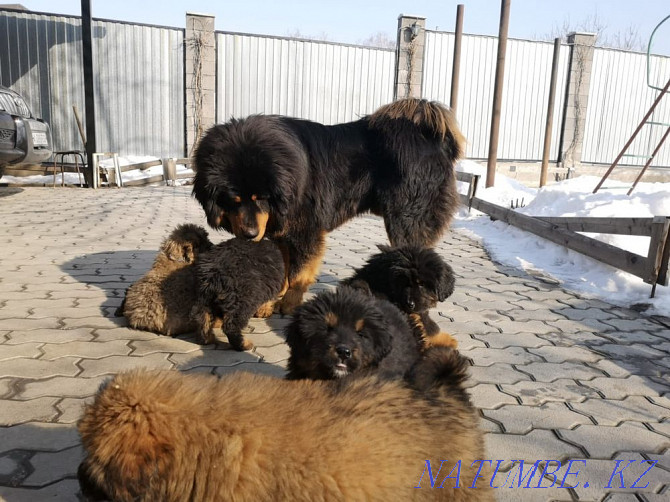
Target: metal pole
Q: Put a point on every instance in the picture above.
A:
(456, 69)
(550, 112)
(87, 57)
(497, 93)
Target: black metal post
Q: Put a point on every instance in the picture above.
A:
(89, 100)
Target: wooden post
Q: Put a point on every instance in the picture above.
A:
(89, 93)
(456, 68)
(550, 113)
(497, 93)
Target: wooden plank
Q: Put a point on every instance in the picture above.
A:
(665, 258)
(620, 226)
(142, 166)
(606, 253)
(659, 237)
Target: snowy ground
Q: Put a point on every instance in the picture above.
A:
(514, 247)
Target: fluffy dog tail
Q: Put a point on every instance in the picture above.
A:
(441, 369)
(429, 116)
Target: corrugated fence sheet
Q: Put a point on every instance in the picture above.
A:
(139, 80)
(325, 82)
(525, 91)
(619, 98)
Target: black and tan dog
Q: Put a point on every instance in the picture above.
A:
(346, 331)
(414, 279)
(236, 279)
(161, 301)
(294, 180)
(170, 437)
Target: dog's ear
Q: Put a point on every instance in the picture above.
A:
(446, 283)
(384, 248)
(360, 285)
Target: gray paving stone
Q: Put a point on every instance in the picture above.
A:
(538, 444)
(38, 437)
(549, 372)
(518, 419)
(65, 490)
(504, 340)
(61, 386)
(564, 354)
(498, 373)
(93, 321)
(18, 412)
(584, 338)
(50, 336)
(162, 344)
(29, 350)
(469, 327)
(487, 396)
(619, 388)
(18, 324)
(115, 364)
(510, 355)
(521, 315)
(626, 352)
(274, 354)
(630, 337)
(612, 412)
(605, 442)
(53, 466)
(634, 325)
(208, 357)
(88, 350)
(572, 326)
(107, 335)
(71, 409)
(35, 368)
(561, 390)
(537, 327)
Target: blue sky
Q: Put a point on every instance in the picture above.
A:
(351, 21)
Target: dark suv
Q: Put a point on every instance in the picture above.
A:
(23, 138)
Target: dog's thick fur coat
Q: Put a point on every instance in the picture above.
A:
(170, 437)
(414, 279)
(236, 279)
(161, 301)
(294, 180)
(345, 331)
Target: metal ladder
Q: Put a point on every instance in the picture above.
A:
(645, 121)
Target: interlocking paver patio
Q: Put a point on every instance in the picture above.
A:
(564, 377)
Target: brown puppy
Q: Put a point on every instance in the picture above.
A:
(166, 436)
(161, 301)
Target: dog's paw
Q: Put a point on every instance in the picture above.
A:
(265, 310)
(441, 339)
(243, 346)
(289, 302)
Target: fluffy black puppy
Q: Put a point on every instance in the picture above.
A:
(294, 180)
(414, 279)
(338, 333)
(237, 278)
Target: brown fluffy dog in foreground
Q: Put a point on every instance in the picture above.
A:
(161, 301)
(167, 436)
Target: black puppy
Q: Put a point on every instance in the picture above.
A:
(414, 279)
(236, 279)
(338, 333)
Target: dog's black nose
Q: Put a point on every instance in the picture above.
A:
(344, 352)
(249, 233)
(411, 304)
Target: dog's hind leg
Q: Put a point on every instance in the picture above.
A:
(265, 310)
(233, 324)
(205, 321)
(303, 268)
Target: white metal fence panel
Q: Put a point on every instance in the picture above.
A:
(139, 80)
(139, 88)
(325, 82)
(525, 92)
(618, 100)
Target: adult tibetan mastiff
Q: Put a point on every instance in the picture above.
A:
(161, 301)
(414, 279)
(236, 279)
(340, 332)
(294, 180)
(170, 437)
